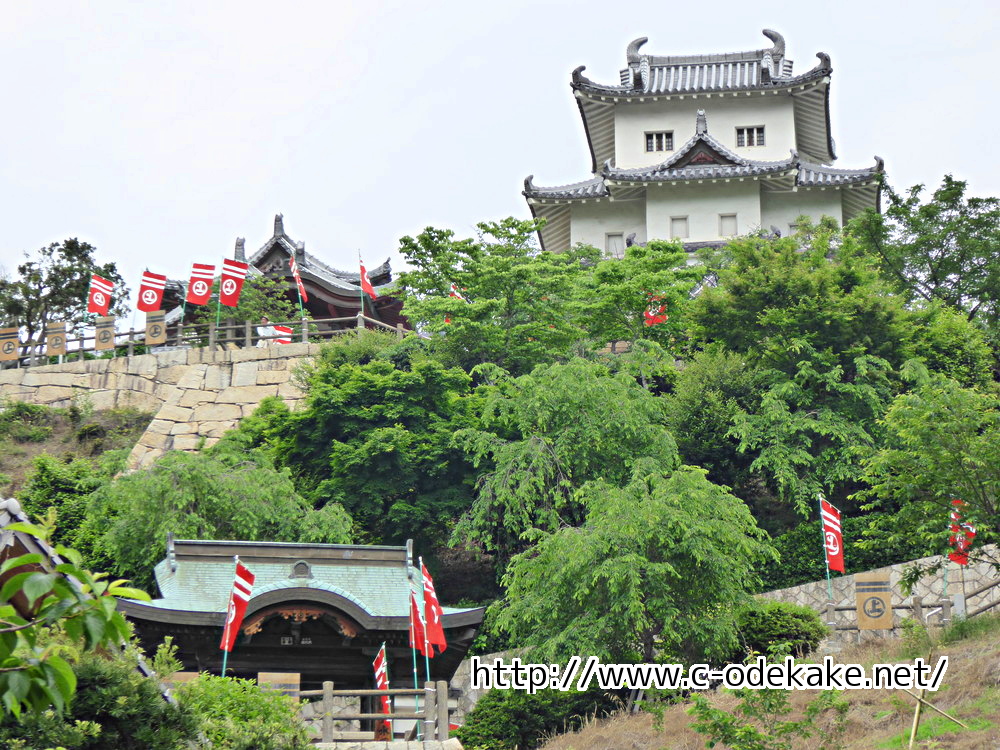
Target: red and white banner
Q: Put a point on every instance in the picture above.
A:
(656, 313)
(200, 285)
(284, 334)
(455, 293)
(832, 535)
(151, 291)
(366, 285)
(99, 296)
(432, 613)
(242, 588)
(231, 283)
(962, 535)
(418, 635)
(382, 682)
(298, 279)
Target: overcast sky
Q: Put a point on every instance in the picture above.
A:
(161, 132)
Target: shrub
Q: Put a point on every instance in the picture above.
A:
(115, 708)
(236, 714)
(766, 627)
(508, 719)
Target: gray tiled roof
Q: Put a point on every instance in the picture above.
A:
(817, 174)
(650, 75)
(593, 188)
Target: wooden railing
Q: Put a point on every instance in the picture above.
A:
(431, 714)
(229, 334)
(926, 613)
(993, 586)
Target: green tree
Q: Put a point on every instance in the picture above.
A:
(237, 714)
(656, 571)
(34, 675)
(215, 495)
(945, 249)
(943, 443)
(53, 285)
(260, 296)
(613, 294)
(516, 311)
(378, 440)
(543, 435)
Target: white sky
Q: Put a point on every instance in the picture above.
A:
(161, 132)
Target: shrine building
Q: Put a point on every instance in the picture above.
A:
(319, 610)
(701, 148)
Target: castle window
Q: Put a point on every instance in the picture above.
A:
(662, 141)
(750, 136)
(678, 227)
(727, 225)
(614, 245)
(301, 570)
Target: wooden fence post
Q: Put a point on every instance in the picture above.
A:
(831, 614)
(131, 342)
(918, 609)
(327, 707)
(945, 611)
(400, 331)
(247, 334)
(430, 711)
(305, 330)
(361, 322)
(211, 336)
(442, 710)
(79, 342)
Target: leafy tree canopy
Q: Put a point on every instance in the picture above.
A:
(53, 285)
(517, 299)
(946, 248)
(260, 296)
(216, 495)
(376, 439)
(544, 435)
(656, 570)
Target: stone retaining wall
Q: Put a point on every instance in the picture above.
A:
(195, 394)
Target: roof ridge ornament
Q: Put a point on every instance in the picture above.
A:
(778, 50)
(701, 123)
(241, 251)
(279, 225)
(632, 51)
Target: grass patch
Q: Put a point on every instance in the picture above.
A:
(934, 727)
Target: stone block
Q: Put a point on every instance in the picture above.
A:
(210, 441)
(159, 427)
(272, 377)
(11, 377)
(144, 365)
(118, 364)
(186, 442)
(84, 380)
(74, 367)
(34, 378)
(148, 458)
(166, 392)
(451, 743)
(48, 394)
(194, 356)
(244, 373)
(135, 383)
(249, 394)
(101, 400)
(289, 390)
(98, 365)
(155, 440)
(194, 397)
(174, 413)
(248, 354)
(194, 378)
(290, 350)
(215, 429)
(183, 428)
(217, 377)
(216, 413)
(146, 402)
(171, 359)
(171, 374)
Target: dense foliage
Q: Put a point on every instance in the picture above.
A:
(770, 627)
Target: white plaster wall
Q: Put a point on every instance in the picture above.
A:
(634, 119)
(702, 204)
(591, 222)
(782, 209)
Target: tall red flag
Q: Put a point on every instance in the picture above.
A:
(298, 279)
(231, 284)
(366, 285)
(832, 534)
(151, 291)
(962, 535)
(432, 612)
(382, 682)
(99, 296)
(242, 587)
(418, 638)
(200, 286)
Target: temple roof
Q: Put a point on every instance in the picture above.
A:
(730, 71)
(369, 582)
(760, 71)
(701, 158)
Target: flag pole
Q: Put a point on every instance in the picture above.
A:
(826, 555)
(423, 604)
(361, 286)
(225, 630)
(413, 648)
